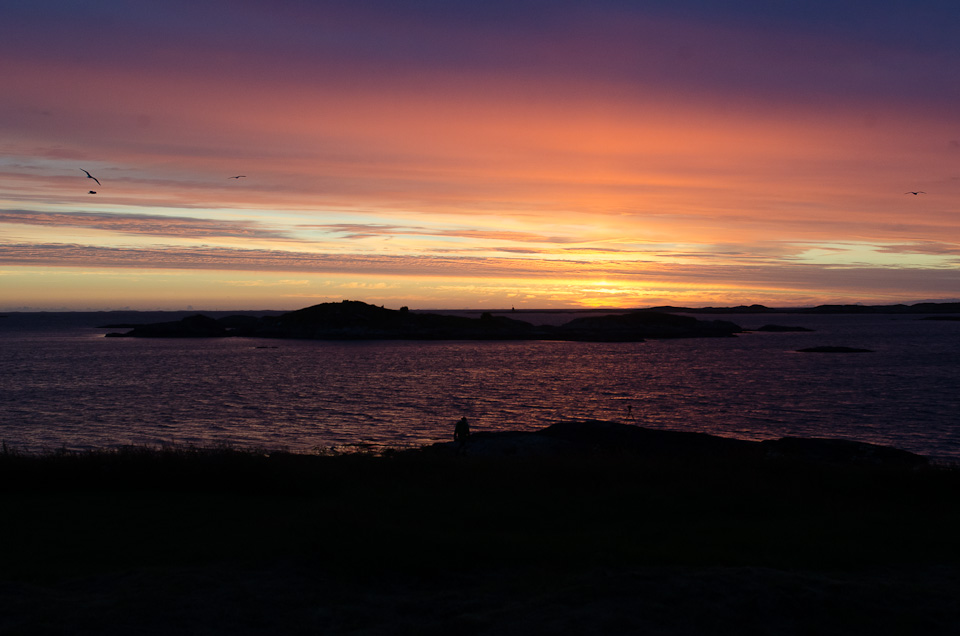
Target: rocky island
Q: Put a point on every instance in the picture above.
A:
(834, 349)
(355, 320)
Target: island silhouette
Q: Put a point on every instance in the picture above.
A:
(356, 320)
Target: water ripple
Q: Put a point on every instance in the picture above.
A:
(72, 390)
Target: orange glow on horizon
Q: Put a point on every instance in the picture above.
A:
(619, 156)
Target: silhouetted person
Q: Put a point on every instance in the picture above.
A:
(460, 434)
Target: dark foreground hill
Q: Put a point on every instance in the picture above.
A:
(632, 533)
(354, 320)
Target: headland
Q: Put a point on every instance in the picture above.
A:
(355, 320)
(616, 529)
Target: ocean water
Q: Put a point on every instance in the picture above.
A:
(63, 385)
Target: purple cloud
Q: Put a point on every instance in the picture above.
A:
(360, 230)
(145, 224)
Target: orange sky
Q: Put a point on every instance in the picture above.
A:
(420, 157)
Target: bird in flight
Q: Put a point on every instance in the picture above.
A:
(916, 193)
(239, 176)
(90, 176)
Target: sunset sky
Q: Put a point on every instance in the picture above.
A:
(442, 154)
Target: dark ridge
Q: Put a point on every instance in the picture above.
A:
(740, 309)
(918, 308)
(354, 320)
(191, 469)
(197, 326)
(840, 452)
(602, 438)
(647, 325)
(611, 526)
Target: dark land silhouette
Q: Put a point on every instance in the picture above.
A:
(592, 438)
(917, 308)
(616, 530)
(354, 320)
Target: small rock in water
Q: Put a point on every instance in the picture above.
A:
(829, 349)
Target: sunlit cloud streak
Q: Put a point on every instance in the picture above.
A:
(261, 283)
(200, 257)
(181, 227)
(533, 139)
(215, 258)
(352, 231)
(927, 247)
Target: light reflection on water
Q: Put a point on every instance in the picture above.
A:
(75, 389)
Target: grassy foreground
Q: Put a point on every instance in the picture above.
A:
(456, 540)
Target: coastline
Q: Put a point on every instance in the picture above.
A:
(427, 541)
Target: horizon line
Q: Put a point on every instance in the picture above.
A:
(526, 310)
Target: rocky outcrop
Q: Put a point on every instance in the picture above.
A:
(639, 325)
(613, 437)
(840, 451)
(353, 320)
(198, 326)
(593, 437)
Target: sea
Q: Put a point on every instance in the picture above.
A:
(65, 386)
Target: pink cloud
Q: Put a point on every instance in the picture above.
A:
(575, 135)
(145, 224)
(766, 275)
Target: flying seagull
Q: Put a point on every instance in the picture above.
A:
(90, 176)
(238, 176)
(916, 193)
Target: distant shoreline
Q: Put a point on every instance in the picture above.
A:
(357, 320)
(916, 308)
(849, 308)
